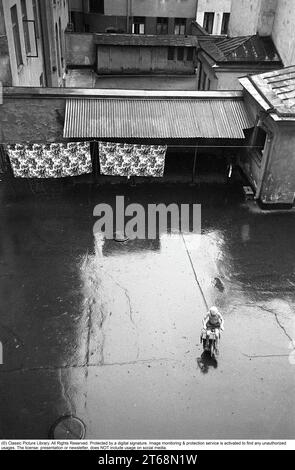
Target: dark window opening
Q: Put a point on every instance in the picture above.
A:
(61, 42)
(208, 22)
(259, 140)
(162, 25)
(171, 53)
(180, 53)
(138, 26)
(190, 54)
(36, 18)
(225, 23)
(26, 26)
(57, 50)
(180, 26)
(96, 6)
(16, 36)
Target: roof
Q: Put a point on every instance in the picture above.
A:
(61, 92)
(146, 40)
(274, 90)
(156, 118)
(243, 49)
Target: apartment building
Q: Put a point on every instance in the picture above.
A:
(32, 43)
(133, 16)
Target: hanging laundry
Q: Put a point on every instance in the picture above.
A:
(50, 160)
(132, 160)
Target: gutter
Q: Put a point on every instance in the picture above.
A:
(37, 93)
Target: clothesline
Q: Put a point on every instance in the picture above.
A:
(197, 146)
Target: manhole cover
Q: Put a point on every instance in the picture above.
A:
(68, 427)
(120, 237)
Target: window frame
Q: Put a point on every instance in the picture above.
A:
(225, 22)
(36, 17)
(209, 15)
(171, 53)
(27, 39)
(180, 54)
(190, 54)
(162, 25)
(57, 46)
(16, 36)
(138, 25)
(178, 24)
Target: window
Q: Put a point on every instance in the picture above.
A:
(179, 26)
(26, 26)
(162, 25)
(138, 26)
(61, 42)
(96, 6)
(36, 18)
(57, 50)
(171, 53)
(16, 36)
(259, 139)
(180, 53)
(208, 22)
(225, 22)
(189, 54)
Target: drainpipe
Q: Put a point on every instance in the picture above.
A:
(127, 16)
(46, 53)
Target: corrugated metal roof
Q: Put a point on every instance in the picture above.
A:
(163, 40)
(155, 118)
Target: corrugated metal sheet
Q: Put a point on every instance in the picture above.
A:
(155, 118)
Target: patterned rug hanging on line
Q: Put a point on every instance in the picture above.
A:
(50, 160)
(132, 160)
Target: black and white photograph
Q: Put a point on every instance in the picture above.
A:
(147, 227)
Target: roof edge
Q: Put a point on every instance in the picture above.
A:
(51, 93)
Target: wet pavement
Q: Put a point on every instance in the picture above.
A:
(110, 331)
(87, 78)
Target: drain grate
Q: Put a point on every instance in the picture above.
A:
(120, 237)
(68, 427)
